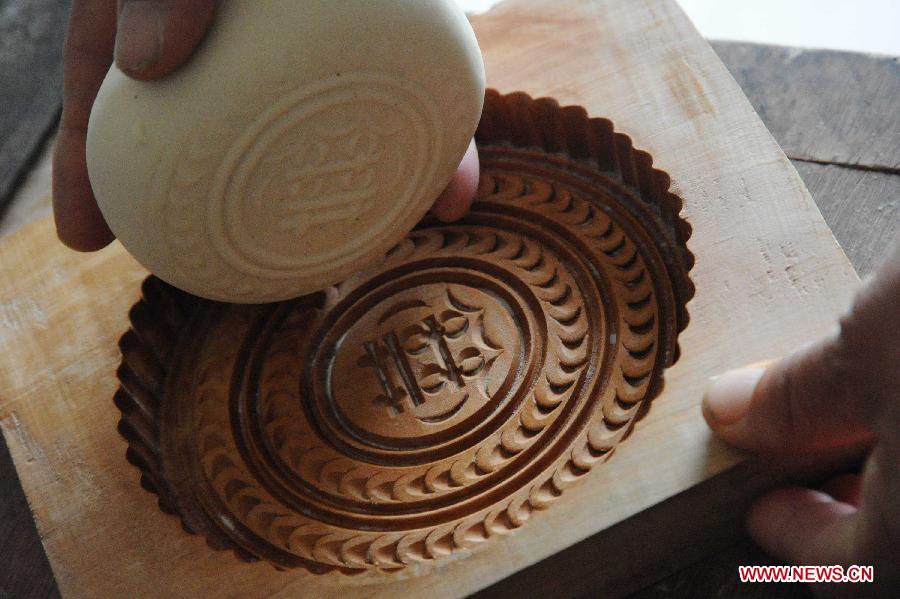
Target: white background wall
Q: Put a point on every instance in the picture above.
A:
(861, 25)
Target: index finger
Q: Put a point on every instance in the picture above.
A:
(88, 56)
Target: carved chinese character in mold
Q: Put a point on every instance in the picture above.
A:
(430, 358)
(440, 398)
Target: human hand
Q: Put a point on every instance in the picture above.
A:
(148, 39)
(844, 389)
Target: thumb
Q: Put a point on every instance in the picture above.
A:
(828, 394)
(798, 403)
(155, 37)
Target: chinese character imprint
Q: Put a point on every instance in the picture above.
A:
(431, 358)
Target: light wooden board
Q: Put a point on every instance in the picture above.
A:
(769, 276)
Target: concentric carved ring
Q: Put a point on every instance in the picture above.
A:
(441, 397)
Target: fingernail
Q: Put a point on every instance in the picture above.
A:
(728, 397)
(138, 35)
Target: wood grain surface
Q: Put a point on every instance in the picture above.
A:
(864, 207)
(854, 193)
(823, 106)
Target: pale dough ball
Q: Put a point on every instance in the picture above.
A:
(299, 144)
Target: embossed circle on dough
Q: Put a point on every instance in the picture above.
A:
(317, 165)
(439, 399)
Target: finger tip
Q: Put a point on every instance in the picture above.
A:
(153, 40)
(789, 522)
(149, 69)
(451, 207)
(139, 72)
(456, 199)
(726, 406)
(846, 488)
(84, 239)
(767, 516)
(727, 399)
(80, 226)
(139, 38)
(775, 506)
(708, 414)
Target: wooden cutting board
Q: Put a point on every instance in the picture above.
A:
(769, 276)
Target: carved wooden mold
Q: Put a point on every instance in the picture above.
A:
(440, 398)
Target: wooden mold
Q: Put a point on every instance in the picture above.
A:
(440, 398)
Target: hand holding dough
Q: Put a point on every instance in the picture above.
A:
(295, 147)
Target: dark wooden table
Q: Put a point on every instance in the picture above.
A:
(834, 113)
